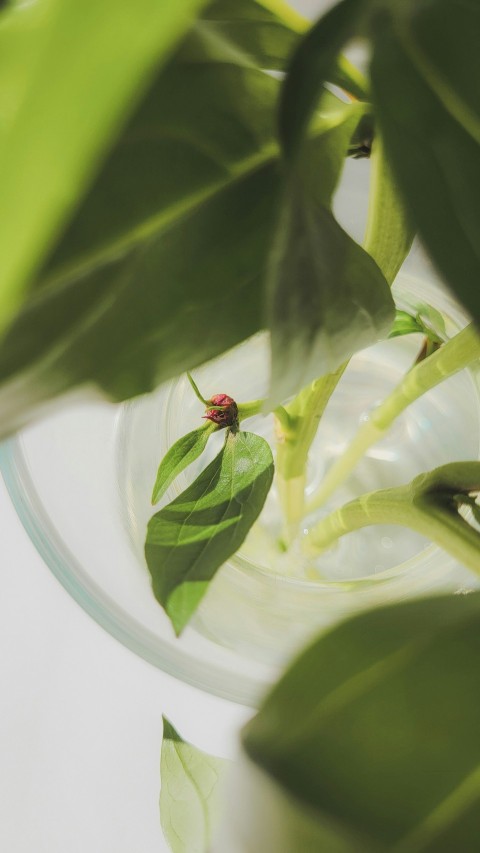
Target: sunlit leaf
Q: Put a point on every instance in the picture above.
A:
(190, 538)
(179, 456)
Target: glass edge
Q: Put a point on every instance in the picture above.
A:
(104, 611)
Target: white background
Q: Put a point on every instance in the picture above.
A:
(80, 719)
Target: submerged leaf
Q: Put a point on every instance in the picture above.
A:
(387, 749)
(180, 455)
(190, 538)
(189, 792)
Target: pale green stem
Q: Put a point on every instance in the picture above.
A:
(458, 353)
(429, 516)
(248, 410)
(296, 426)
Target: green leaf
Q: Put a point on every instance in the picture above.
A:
(190, 538)
(374, 729)
(189, 793)
(124, 303)
(60, 107)
(180, 456)
(430, 504)
(328, 298)
(426, 96)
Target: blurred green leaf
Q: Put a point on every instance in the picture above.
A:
(69, 72)
(124, 301)
(425, 69)
(179, 456)
(190, 538)
(374, 729)
(189, 793)
(161, 268)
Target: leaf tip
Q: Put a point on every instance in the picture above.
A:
(169, 731)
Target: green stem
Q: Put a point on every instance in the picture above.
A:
(432, 516)
(456, 354)
(248, 410)
(295, 427)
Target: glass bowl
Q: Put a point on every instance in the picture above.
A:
(81, 482)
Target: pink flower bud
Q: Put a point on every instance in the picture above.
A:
(227, 416)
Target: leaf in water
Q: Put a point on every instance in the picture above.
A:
(374, 729)
(180, 455)
(328, 298)
(189, 792)
(190, 538)
(53, 132)
(426, 97)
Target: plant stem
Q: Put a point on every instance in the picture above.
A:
(248, 410)
(431, 516)
(295, 426)
(456, 354)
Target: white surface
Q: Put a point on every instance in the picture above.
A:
(80, 719)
